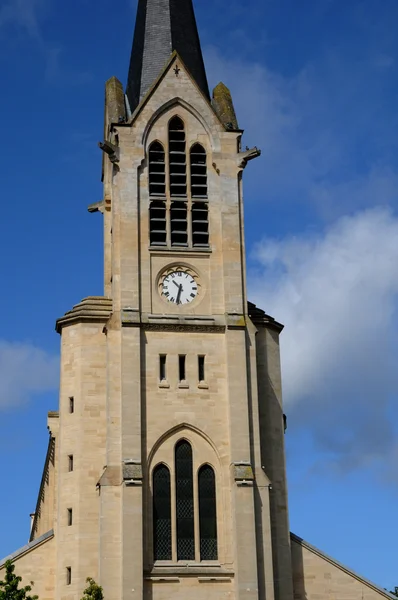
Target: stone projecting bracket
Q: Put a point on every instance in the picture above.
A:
(243, 474)
(249, 154)
(111, 150)
(132, 472)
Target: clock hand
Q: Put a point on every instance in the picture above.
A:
(179, 294)
(176, 284)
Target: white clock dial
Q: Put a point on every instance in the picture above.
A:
(179, 287)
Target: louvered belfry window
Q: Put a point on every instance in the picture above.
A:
(198, 171)
(184, 501)
(207, 513)
(200, 211)
(157, 170)
(179, 224)
(158, 223)
(161, 513)
(178, 189)
(177, 158)
(157, 189)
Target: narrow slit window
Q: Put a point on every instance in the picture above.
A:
(207, 514)
(198, 165)
(157, 223)
(70, 517)
(68, 575)
(179, 224)
(184, 502)
(157, 170)
(201, 368)
(162, 367)
(71, 404)
(70, 462)
(200, 224)
(161, 513)
(181, 367)
(177, 158)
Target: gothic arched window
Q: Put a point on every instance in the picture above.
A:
(207, 513)
(161, 513)
(177, 158)
(179, 212)
(157, 170)
(184, 501)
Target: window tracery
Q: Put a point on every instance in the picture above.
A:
(178, 189)
(193, 521)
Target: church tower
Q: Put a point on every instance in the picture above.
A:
(177, 434)
(165, 472)
(166, 457)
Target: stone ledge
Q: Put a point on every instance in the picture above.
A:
(93, 309)
(212, 572)
(166, 251)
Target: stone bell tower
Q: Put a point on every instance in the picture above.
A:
(194, 424)
(170, 425)
(165, 472)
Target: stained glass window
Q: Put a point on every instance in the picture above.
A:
(161, 513)
(207, 514)
(184, 502)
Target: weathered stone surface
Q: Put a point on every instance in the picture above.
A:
(132, 471)
(224, 106)
(243, 472)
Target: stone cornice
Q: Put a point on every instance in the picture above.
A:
(98, 309)
(183, 323)
(259, 318)
(208, 572)
(93, 309)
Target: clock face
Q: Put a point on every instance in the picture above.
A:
(179, 286)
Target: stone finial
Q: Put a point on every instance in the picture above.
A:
(115, 107)
(224, 106)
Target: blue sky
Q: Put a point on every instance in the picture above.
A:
(315, 86)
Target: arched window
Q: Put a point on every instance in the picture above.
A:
(184, 502)
(177, 157)
(207, 513)
(161, 513)
(157, 170)
(198, 172)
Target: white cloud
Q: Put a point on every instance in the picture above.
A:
(25, 370)
(324, 141)
(337, 295)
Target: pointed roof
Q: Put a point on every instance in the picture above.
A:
(161, 27)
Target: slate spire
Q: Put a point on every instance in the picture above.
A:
(161, 27)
